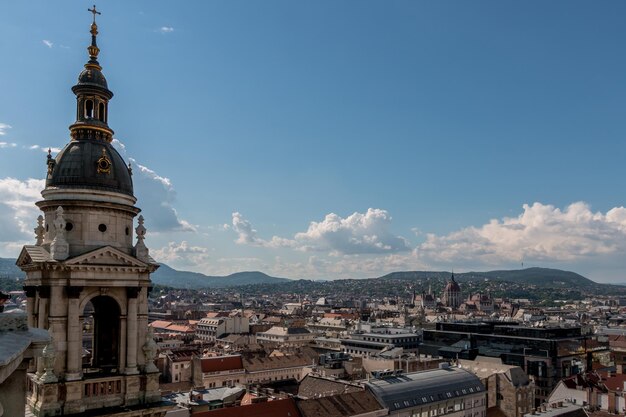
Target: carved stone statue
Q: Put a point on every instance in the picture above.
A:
(149, 350)
(141, 251)
(48, 356)
(59, 248)
(39, 231)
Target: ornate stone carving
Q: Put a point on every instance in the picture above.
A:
(48, 356)
(59, 248)
(39, 231)
(149, 350)
(141, 251)
(51, 162)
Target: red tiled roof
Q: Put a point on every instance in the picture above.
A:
(221, 363)
(179, 328)
(278, 408)
(588, 380)
(615, 383)
(160, 324)
(216, 314)
(275, 362)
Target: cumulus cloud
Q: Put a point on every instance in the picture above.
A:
(359, 233)
(7, 145)
(166, 29)
(157, 195)
(362, 244)
(18, 213)
(247, 235)
(48, 43)
(181, 254)
(3, 128)
(540, 233)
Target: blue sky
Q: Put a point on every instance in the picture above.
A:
(339, 139)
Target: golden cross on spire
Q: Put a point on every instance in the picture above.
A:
(95, 12)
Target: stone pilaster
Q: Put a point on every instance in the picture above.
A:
(131, 331)
(74, 334)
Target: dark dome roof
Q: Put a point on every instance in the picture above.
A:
(92, 77)
(76, 167)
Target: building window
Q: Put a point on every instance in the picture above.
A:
(89, 109)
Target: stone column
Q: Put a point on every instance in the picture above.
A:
(30, 304)
(44, 298)
(131, 331)
(74, 335)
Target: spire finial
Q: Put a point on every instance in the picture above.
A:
(93, 48)
(94, 12)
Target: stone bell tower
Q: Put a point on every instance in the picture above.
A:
(85, 280)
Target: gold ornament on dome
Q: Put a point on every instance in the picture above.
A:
(104, 163)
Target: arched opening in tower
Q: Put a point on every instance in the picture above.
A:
(101, 335)
(89, 109)
(101, 112)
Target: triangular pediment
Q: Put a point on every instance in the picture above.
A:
(106, 255)
(32, 254)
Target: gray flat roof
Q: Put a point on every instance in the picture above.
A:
(418, 388)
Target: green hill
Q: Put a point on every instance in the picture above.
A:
(541, 277)
(165, 275)
(185, 279)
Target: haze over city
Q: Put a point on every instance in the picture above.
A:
(335, 140)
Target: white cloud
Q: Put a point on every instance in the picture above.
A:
(7, 145)
(3, 128)
(362, 245)
(166, 29)
(121, 148)
(48, 43)
(18, 213)
(157, 195)
(181, 254)
(542, 233)
(246, 234)
(359, 233)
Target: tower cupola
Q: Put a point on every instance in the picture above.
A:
(92, 96)
(89, 161)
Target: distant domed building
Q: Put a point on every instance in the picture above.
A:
(451, 296)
